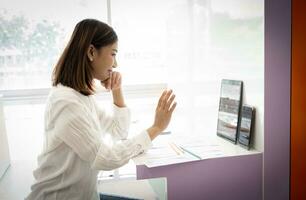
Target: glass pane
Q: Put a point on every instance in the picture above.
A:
(25, 130)
(225, 39)
(33, 34)
(149, 39)
(235, 41)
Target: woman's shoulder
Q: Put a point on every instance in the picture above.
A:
(63, 98)
(61, 93)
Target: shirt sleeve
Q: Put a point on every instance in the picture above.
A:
(74, 128)
(117, 123)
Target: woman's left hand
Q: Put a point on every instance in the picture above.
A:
(113, 82)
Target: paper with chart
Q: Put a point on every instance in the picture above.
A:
(203, 149)
(165, 156)
(174, 152)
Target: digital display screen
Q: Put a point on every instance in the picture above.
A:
(229, 109)
(246, 125)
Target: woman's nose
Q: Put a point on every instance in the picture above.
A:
(115, 64)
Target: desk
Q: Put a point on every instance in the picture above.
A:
(236, 176)
(155, 188)
(16, 182)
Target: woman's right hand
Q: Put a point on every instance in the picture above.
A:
(163, 113)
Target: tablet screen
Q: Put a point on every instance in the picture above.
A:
(246, 125)
(229, 109)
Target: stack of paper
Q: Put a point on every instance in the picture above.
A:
(167, 153)
(166, 156)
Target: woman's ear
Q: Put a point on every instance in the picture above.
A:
(91, 52)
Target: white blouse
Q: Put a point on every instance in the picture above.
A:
(73, 151)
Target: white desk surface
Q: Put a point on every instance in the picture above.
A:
(155, 188)
(226, 148)
(16, 183)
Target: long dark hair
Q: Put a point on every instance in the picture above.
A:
(73, 68)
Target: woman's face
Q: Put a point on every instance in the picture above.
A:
(103, 60)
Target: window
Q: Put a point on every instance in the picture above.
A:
(34, 33)
(187, 45)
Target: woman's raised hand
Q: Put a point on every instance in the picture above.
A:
(163, 113)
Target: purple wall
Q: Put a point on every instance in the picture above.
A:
(238, 178)
(277, 99)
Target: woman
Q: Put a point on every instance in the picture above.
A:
(73, 150)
